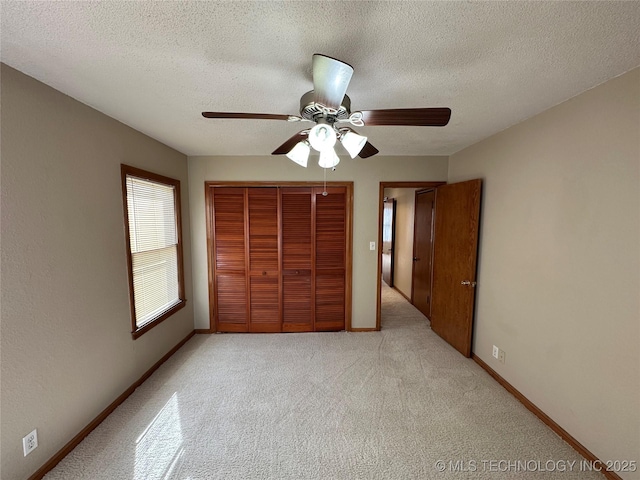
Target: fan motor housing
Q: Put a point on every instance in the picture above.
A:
(313, 111)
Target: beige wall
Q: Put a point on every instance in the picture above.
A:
(559, 262)
(403, 255)
(67, 350)
(366, 175)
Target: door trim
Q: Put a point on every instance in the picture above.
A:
(384, 185)
(208, 192)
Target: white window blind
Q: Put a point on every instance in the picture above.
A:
(153, 238)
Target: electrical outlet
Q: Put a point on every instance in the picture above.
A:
(501, 355)
(496, 352)
(30, 442)
(372, 245)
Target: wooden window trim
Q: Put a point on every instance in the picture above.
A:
(125, 170)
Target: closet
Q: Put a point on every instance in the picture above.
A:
(279, 257)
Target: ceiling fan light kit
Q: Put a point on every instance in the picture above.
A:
(322, 137)
(328, 106)
(300, 153)
(328, 158)
(353, 143)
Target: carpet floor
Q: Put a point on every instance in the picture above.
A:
(374, 405)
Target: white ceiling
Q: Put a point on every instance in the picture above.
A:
(156, 65)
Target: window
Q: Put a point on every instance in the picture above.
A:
(154, 248)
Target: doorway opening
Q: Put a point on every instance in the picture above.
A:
(453, 252)
(396, 239)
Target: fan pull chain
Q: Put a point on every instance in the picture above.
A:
(324, 193)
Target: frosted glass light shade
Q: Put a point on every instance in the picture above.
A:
(353, 143)
(322, 137)
(300, 153)
(328, 158)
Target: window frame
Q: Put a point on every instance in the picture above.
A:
(127, 170)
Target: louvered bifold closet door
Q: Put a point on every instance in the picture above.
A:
(330, 261)
(231, 310)
(297, 259)
(264, 260)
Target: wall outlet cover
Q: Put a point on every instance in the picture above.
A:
(30, 442)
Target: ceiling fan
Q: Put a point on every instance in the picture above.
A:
(328, 106)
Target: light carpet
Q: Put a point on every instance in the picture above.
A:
(376, 405)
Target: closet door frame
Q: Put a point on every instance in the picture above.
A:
(209, 210)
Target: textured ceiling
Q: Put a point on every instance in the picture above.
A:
(156, 65)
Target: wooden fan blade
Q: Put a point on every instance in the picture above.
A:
(289, 144)
(331, 78)
(421, 117)
(368, 150)
(261, 116)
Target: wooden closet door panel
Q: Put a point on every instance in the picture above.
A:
(278, 258)
(228, 204)
(297, 230)
(264, 260)
(230, 304)
(296, 303)
(265, 304)
(263, 229)
(330, 258)
(330, 302)
(330, 228)
(231, 293)
(297, 259)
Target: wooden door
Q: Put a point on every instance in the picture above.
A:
(388, 240)
(279, 258)
(264, 261)
(423, 251)
(230, 294)
(457, 214)
(330, 258)
(298, 301)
